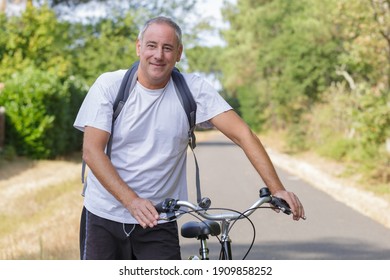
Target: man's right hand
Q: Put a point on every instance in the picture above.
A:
(144, 212)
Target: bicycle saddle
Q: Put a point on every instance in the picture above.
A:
(201, 229)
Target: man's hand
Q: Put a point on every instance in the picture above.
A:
(144, 212)
(295, 205)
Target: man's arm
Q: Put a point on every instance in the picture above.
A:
(230, 124)
(95, 141)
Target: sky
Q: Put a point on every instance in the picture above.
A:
(210, 9)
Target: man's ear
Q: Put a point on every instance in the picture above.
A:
(138, 47)
(180, 52)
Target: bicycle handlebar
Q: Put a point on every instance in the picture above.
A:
(170, 206)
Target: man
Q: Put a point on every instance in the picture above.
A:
(148, 156)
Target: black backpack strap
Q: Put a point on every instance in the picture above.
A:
(128, 83)
(189, 105)
(188, 102)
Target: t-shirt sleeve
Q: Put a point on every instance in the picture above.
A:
(209, 102)
(97, 107)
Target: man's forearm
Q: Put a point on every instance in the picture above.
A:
(105, 172)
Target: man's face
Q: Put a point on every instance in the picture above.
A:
(158, 51)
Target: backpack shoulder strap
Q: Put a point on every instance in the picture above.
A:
(128, 83)
(188, 103)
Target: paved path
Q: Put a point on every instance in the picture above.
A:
(332, 230)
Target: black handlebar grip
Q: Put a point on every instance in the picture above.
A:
(168, 205)
(281, 204)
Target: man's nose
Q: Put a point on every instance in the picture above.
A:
(158, 53)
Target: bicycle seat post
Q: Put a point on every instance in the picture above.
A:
(204, 250)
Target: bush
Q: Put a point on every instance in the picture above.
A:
(40, 110)
(337, 148)
(296, 139)
(353, 126)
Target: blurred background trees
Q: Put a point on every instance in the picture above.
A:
(316, 71)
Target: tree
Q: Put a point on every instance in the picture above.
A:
(35, 38)
(41, 92)
(381, 10)
(284, 51)
(107, 45)
(46, 63)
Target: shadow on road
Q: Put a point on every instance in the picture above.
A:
(340, 249)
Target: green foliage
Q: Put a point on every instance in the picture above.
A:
(39, 113)
(289, 45)
(41, 95)
(250, 107)
(337, 148)
(204, 59)
(319, 70)
(365, 49)
(352, 126)
(104, 46)
(35, 38)
(296, 138)
(372, 119)
(45, 63)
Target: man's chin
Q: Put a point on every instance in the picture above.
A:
(159, 81)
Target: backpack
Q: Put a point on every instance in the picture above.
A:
(186, 99)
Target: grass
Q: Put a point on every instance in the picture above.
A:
(42, 224)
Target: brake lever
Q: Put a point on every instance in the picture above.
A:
(281, 204)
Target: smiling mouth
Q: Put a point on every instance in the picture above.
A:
(157, 65)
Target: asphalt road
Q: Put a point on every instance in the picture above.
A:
(332, 231)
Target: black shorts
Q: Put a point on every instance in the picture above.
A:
(102, 239)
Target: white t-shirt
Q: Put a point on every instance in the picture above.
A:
(149, 142)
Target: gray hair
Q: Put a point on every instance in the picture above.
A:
(162, 19)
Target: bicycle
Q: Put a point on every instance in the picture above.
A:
(204, 228)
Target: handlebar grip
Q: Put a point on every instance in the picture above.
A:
(281, 204)
(168, 205)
